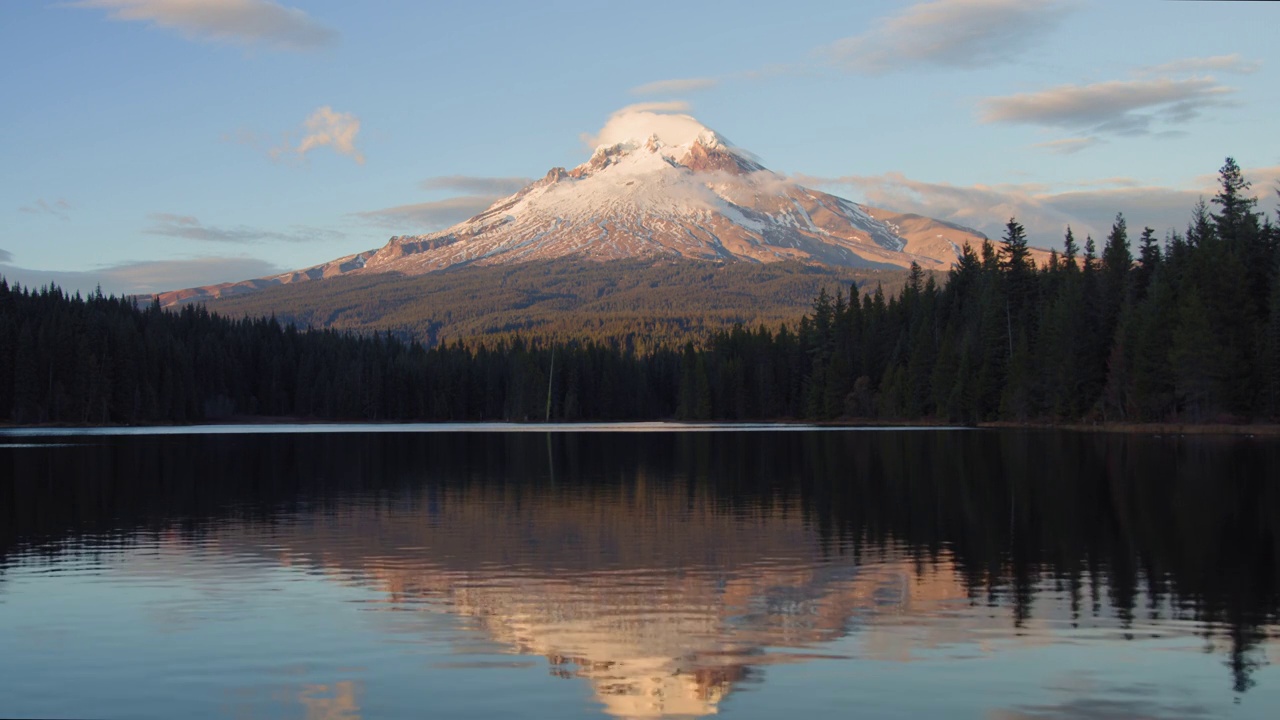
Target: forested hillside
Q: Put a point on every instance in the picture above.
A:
(639, 304)
(1187, 330)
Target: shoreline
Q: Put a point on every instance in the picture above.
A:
(1247, 430)
(1262, 429)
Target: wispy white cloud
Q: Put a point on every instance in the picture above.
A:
(948, 33)
(241, 22)
(476, 185)
(429, 216)
(326, 128)
(147, 277)
(59, 208)
(982, 207)
(1124, 107)
(1110, 182)
(940, 33)
(1234, 63)
(661, 106)
(1089, 206)
(676, 86)
(188, 227)
(1069, 146)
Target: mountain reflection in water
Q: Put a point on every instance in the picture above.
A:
(668, 570)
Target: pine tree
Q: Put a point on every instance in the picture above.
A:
(1015, 261)
(1014, 254)
(1149, 257)
(1117, 261)
(1237, 216)
(1092, 336)
(1070, 249)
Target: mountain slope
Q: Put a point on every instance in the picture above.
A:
(681, 191)
(637, 303)
(700, 200)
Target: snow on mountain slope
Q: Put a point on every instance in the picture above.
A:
(659, 185)
(643, 196)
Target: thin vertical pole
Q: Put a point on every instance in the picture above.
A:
(551, 378)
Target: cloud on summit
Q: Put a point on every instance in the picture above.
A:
(947, 33)
(240, 22)
(668, 120)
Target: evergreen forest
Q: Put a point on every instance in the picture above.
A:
(1183, 328)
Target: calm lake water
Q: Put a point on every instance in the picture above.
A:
(323, 572)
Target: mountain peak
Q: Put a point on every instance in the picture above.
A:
(666, 133)
(661, 184)
(653, 140)
(633, 129)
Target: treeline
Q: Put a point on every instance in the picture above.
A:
(105, 360)
(1187, 330)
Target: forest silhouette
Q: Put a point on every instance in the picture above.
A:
(1186, 329)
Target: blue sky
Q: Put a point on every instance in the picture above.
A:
(154, 144)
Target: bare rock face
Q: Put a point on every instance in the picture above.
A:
(696, 197)
(701, 158)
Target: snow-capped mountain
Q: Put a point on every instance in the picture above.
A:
(659, 186)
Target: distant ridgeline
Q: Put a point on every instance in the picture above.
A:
(1188, 331)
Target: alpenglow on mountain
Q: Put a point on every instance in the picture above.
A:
(657, 186)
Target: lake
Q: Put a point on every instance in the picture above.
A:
(637, 572)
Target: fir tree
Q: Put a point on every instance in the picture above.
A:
(1070, 249)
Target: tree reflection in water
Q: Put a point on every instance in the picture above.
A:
(665, 568)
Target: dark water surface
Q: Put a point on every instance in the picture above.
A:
(320, 574)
